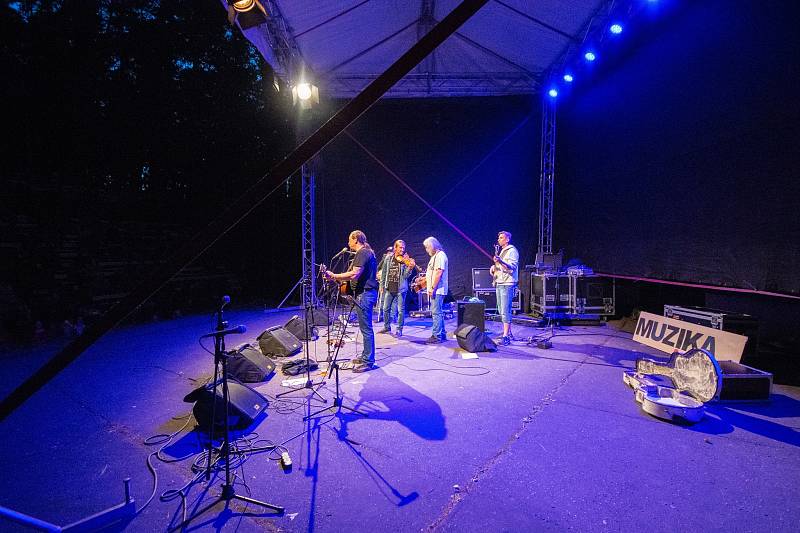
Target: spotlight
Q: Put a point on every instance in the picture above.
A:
(568, 78)
(305, 94)
(616, 29)
(247, 13)
(590, 56)
(304, 91)
(553, 93)
(243, 5)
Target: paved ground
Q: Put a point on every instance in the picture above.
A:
(520, 440)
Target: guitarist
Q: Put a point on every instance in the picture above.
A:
(361, 277)
(506, 276)
(396, 267)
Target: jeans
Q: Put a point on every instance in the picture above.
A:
(366, 301)
(394, 303)
(505, 297)
(437, 300)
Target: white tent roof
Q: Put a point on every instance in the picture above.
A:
(504, 49)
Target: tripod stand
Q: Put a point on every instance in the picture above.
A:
(334, 366)
(221, 359)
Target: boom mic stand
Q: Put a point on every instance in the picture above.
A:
(221, 358)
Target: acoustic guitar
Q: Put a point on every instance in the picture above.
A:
(344, 286)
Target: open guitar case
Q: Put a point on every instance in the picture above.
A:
(678, 389)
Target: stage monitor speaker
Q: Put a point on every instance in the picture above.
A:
(318, 316)
(245, 405)
(249, 365)
(297, 327)
(278, 342)
(472, 313)
(471, 339)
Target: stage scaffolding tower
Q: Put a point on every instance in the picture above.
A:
(546, 177)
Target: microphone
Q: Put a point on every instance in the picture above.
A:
(230, 331)
(343, 250)
(226, 300)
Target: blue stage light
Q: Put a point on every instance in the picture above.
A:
(616, 29)
(568, 78)
(553, 93)
(590, 56)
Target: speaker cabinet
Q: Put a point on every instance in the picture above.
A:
(471, 339)
(297, 327)
(490, 299)
(245, 405)
(249, 365)
(472, 313)
(481, 279)
(278, 342)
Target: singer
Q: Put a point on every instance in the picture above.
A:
(506, 277)
(361, 276)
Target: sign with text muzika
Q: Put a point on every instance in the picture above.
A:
(669, 335)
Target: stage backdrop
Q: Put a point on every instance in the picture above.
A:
(679, 159)
(475, 159)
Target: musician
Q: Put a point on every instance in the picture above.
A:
(395, 270)
(436, 281)
(361, 277)
(506, 277)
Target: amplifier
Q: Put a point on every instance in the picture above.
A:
(591, 295)
(739, 323)
(481, 279)
(550, 293)
(490, 297)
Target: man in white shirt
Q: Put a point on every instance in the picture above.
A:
(436, 281)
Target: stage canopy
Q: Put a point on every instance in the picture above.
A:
(505, 49)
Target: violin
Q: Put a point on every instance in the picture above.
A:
(406, 260)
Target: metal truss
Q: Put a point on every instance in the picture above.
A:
(547, 176)
(282, 42)
(440, 84)
(309, 284)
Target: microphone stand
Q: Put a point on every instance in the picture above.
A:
(219, 349)
(228, 492)
(309, 384)
(334, 366)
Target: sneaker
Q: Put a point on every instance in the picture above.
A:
(353, 363)
(433, 340)
(399, 333)
(505, 341)
(385, 330)
(366, 366)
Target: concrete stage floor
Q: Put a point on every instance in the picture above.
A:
(519, 440)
